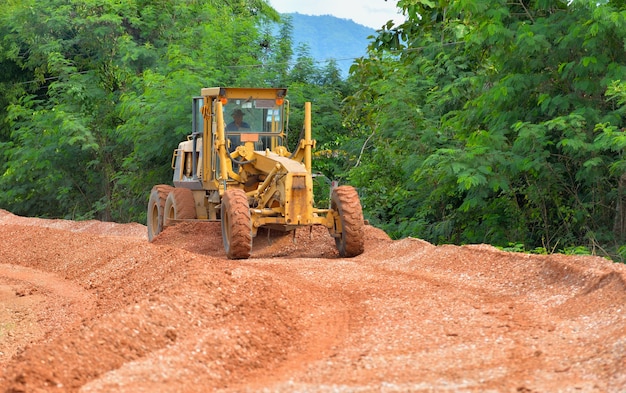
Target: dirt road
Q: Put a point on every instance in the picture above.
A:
(94, 307)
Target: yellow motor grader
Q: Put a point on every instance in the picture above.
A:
(241, 173)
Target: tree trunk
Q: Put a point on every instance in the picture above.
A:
(619, 227)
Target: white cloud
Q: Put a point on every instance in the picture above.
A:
(371, 13)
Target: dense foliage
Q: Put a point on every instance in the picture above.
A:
(475, 121)
(496, 121)
(95, 94)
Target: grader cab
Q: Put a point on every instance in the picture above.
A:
(235, 167)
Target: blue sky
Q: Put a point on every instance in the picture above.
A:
(371, 13)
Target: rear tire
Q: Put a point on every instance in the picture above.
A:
(180, 205)
(156, 208)
(345, 201)
(236, 224)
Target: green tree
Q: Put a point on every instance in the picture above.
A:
(98, 91)
(495, 110)
(278, 50)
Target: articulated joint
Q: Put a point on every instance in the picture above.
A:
(265, 185)
(307, 142)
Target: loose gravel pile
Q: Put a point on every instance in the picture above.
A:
(94, 307)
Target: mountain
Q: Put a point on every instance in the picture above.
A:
(329, 37)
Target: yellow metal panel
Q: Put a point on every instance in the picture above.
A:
(299, 199)
(266, 161)
(210, 91)
(244, 92)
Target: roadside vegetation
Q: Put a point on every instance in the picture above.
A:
(475, 121)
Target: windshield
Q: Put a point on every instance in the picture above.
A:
(262, 116)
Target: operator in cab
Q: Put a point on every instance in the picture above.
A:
(237, 124)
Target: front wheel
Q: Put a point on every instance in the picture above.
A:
(236, 224)
(156, 209)
(349, 224)
(180, 205)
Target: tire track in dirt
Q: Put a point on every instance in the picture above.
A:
(445, 324)
(328, 318)
(49, 282)
(404, 316)
(26, 296)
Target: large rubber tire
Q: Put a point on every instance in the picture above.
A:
(345, 201)
(180, 205)
(156, 208)
(236, 224)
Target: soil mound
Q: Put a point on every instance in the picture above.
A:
(313, 242)
(89, 226)
(95, 307)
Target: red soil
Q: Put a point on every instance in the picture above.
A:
(95, 307)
